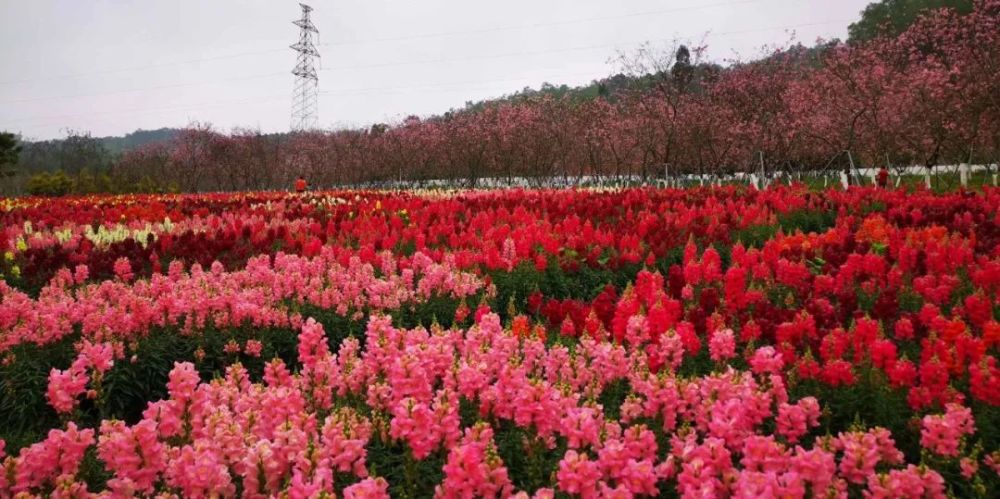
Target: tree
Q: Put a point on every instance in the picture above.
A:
(892, 17)
(682, 71)
(146, 168)
(80, 151)
(10, 149)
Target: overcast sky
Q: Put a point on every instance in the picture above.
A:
(112, 66)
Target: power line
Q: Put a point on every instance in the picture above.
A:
(143, 89)
(523, 53)
(543, 25)
(376, 40)
(140, 68)
(215, 103)
(272, 98)
(568, 49)
(363, 90)
(365, 66)
(369, 90)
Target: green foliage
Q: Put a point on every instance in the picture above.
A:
(613, 397)
(689, 76)
(807, 221)
(59, 183)
(529, 463)
(76, 153)
(755, 236)
(10, 148)
(50, 185)
(23, 382)
(872, 207)
(146, 184)
(892, 17)
(909, 301)
(870, 400)
(683, 71)
(584, 283)
(407, 477)
(118, 145)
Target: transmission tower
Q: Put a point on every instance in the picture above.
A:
(305, 106)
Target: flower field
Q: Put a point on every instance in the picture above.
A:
(708, 342)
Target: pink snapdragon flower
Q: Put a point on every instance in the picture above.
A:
(369, 488)
(198, 471)
(910, 482)
(766, 360)
(582, 426)
(722, 345)
(794, 420)
(474, 469)
(943, 433)
(58, 457)
(863, 451)
(253, 348)
(133, 454)
(123, 269)
(578, 474)
(65, 387)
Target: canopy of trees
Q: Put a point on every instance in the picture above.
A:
(892, 17)
(9, 150)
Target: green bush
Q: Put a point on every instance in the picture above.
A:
(50, 185)
(807, 221)
(85, 182)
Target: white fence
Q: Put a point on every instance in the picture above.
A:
(962, 171)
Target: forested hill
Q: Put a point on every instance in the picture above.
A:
(112, 145)
(79, 150)
(881, 18)
(892, 17)
(137, 138)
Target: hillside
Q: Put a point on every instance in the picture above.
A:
(137, 138)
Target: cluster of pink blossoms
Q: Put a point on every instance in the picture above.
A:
(256, 295)
(66, 386)
(300, 433)
(943, 433)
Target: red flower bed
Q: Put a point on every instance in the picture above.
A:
(718, 341)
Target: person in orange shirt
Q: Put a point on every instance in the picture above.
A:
(300, 184)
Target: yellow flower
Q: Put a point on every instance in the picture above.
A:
(15, 271)
(21, 245)
(9, 256)
(63, 235)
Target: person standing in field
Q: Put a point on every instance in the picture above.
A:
(301, 184)
(883, 178)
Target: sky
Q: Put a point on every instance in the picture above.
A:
(109, 67)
